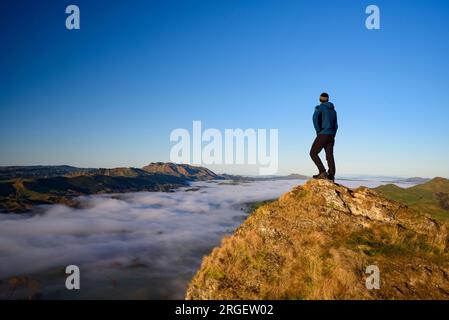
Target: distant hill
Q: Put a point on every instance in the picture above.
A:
(119, 172)
(431, 197)
(181, 170)
(21, 195)
(13, 172)
(316, 242)
(414, 180)
(21, 188)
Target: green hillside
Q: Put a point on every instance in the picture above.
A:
(431, 197)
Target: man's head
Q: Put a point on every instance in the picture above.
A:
(324, 97)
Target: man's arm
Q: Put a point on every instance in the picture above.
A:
(336, 122)
(316, 119)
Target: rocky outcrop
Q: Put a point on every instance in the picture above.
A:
(316, 242)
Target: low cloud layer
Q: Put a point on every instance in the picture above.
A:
(142, 245)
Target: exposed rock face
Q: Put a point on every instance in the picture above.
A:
(316, 241)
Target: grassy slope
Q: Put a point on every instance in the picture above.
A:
(430, 197)
(252, 206)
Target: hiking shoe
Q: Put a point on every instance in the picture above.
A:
(331, 178)
(322, 175)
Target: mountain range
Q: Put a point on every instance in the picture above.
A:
(21, 188)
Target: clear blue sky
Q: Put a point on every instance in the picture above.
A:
(110, 94)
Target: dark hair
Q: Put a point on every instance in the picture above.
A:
(324, 97)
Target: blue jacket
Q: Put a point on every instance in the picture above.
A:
(325, 119)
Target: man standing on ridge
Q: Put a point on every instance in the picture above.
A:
(325, 123)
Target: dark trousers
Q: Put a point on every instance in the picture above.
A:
(326, 142)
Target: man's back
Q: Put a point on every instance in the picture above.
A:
(325, 119)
